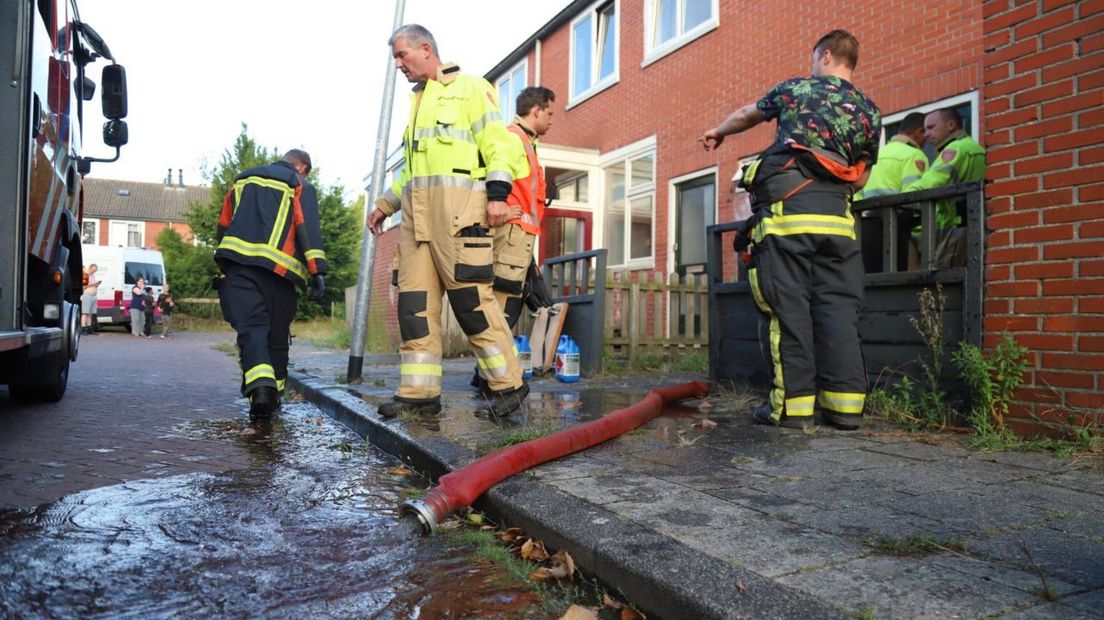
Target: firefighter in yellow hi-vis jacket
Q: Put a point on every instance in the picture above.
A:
(460, 163)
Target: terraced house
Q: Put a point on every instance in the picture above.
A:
(638, 81)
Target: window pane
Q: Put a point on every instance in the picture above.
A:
(695, 213)
(581, 189)
(665, 21)
(641, 235)
(134, 236)
(615, 214)
(504, 101)
(584, 41)
(88, 233)
(642, 170)
(696, 12)
(608, 20)
(567, 191)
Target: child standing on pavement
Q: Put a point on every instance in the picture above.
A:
(165, 302)
(147, 306)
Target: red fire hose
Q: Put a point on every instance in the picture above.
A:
(460, 488)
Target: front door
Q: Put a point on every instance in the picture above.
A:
(564, 231)
(695, 209)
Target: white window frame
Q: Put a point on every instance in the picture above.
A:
(672, 201)
(681, 38)
(509, 108)
(95, 231)
(141, 233)
(970, 97)
(597, 84)
(624, 157)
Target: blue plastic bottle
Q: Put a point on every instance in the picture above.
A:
(570, 372)
(525, 356)
(558, 364)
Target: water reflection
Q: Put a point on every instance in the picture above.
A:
(309, 529)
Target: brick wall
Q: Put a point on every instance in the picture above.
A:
(1044, 102)
(154, 228)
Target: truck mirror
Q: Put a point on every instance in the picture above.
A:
(115, 133)
(114, 93)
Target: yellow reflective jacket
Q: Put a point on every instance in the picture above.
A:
(454, 143)
(960, 159)
(900, 162)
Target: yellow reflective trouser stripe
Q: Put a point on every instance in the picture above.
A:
(492, 362)
(805, 224)
(246, 248)
(800, 406)
(281, 384)
(778, 392)
(420, 374)
(315, 254)
(842, 402)
(260, 371)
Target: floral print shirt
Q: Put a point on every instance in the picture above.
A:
(825, 112)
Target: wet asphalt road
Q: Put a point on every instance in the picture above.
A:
(145, 493)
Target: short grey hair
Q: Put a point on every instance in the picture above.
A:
(299, 156)
(415, 35)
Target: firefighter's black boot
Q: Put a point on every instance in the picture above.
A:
(263, 401)
(480, 384)
(842, 421)
(398, 406)
(502, 404)
(762, 415)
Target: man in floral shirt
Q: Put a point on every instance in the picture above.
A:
(806, 270)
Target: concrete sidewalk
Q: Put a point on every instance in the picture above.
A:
(744, 521)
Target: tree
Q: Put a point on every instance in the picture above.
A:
(189, 268)
(341, 224)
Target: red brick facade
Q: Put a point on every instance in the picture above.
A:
(1044, 98)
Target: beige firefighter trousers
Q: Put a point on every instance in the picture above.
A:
(457, 260)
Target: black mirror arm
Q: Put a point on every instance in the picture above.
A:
(84, 164)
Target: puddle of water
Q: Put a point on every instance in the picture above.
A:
(309, 529)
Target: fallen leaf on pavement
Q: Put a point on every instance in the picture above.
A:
(705, 424)
(705, 406)
(318, 421)
(399, 470)
(534, 550)
(741, 587)
(576, 612)
(629, 613)
(609, 602)
(475, 518)
(511, 535)
(562, 566)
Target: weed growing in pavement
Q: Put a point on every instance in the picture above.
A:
(915, 546)
(378, 382)
(322, 332)
(993, 380)
(866, 612)
(523, 435)
(228, 347)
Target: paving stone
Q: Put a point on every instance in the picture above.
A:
(864, 522)
(890, 587)
(969, 512)
(1057, 554)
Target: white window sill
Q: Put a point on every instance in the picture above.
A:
(636, 264)
(592, 91)
(651, 56)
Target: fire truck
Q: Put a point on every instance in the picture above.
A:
(47, 55)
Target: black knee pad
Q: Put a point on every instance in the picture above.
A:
(512, 310)
(411, 326)
(465, 304)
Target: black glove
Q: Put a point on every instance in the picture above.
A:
(216, 281)
(319, 287)
(538, 294)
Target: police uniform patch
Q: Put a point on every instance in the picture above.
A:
(490, 98)
(948, 155)
(921, 165)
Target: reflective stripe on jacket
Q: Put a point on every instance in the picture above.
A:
(529, 191)
(262, 224)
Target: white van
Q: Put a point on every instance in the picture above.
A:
(117, 269)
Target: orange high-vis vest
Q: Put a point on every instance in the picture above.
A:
(528, 192)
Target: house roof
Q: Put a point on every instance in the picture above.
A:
(522, 50)
(131, 200)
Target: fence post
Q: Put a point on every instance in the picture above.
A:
(633, 312)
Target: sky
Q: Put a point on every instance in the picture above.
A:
(299, 74)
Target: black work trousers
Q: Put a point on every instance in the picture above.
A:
(809, 287)
(260, 305)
